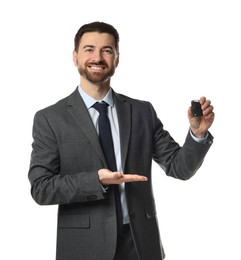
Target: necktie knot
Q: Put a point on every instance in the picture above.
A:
(101, 107)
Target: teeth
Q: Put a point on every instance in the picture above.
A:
(96, 68)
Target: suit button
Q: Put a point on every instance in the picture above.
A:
(131, 214)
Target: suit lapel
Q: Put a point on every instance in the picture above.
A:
(124, 119)
(79, 112)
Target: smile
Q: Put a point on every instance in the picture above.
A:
(96, 68)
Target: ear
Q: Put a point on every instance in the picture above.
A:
(75, 58)
(117, 60)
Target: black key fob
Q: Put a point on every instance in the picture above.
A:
(196, 108)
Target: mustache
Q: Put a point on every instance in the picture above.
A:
(97, 63)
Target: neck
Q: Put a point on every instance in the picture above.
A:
(96, 91)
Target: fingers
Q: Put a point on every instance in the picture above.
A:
(202, 100)
(133, 177)
(207, 108)
(108, 177)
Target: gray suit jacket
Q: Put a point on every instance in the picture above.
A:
(65, 159)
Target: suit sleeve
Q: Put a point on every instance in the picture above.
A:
(180, 162)
(48, 186)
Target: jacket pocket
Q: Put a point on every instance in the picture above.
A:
(74, 221)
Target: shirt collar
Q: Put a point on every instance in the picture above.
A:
(89, 101)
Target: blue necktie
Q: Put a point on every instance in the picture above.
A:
(106, 142)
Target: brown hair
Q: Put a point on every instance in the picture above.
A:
(96, 27)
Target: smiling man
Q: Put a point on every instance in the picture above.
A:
(92, 155)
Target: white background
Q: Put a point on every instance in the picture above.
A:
(171, 52)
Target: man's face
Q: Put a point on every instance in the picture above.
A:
(97, 57)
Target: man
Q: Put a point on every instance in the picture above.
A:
(70, 166)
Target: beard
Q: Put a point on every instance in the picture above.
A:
(96, 77)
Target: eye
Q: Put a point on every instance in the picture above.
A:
(89, 50)
(109, 51)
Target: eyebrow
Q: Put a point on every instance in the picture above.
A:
(88, 46)
(92, 46)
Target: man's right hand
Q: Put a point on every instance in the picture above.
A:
(108, 177)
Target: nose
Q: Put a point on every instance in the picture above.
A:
(97, 56)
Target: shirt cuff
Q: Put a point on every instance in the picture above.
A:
(203, 140)
(104, 188)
